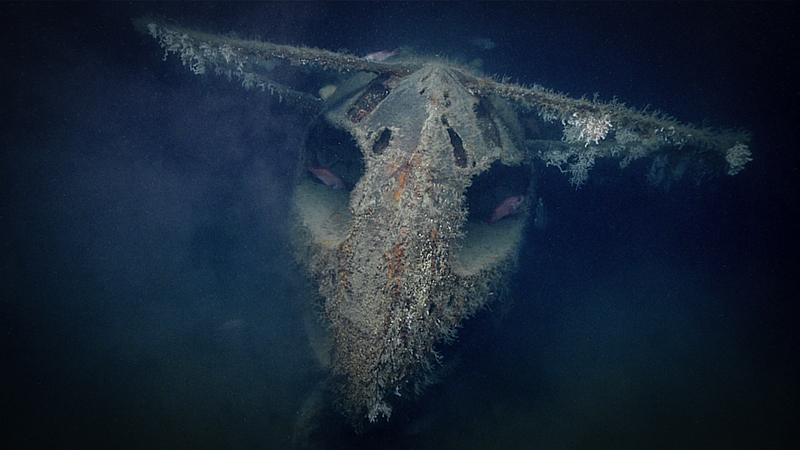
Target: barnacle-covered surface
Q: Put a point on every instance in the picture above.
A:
(398, 261)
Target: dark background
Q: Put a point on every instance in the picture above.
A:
(148, 294)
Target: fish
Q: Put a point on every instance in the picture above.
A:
(327, 177)
(540, 221)
(483, 43)
(230, 325)
(507, 207)
(382, 55)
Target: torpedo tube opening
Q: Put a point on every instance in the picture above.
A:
(333, 149)
(491, 188)
(490, 239)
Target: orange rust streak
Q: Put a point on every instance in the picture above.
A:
(401, 181)
(396, 261)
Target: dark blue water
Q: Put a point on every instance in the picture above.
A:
(148, 294)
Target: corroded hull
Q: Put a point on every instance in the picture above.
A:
(393, 282)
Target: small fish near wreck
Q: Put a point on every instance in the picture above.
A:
(507, 207)
(327, 177)
(382, 55)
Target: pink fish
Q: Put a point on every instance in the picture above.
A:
(327, 177)
(507, 207)
(382, 55)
